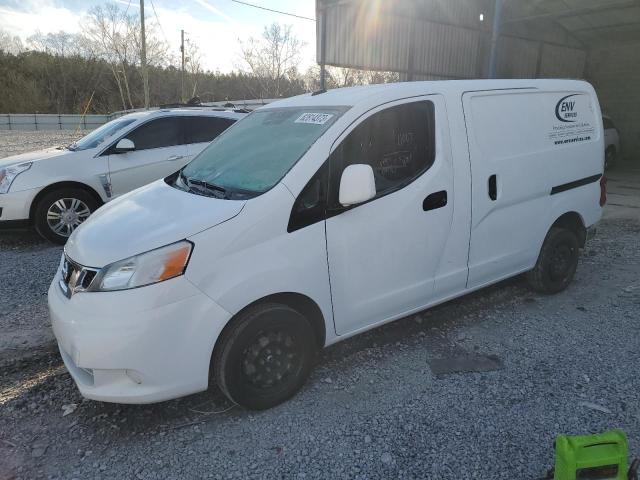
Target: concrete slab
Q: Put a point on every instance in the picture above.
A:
(623, 192)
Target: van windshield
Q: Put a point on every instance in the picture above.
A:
(257, 152)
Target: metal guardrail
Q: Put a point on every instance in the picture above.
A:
(45, 121)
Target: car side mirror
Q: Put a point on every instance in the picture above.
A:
(357, 185)
(125, 145)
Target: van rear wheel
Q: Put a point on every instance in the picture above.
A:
(557, 262)
(265, 356)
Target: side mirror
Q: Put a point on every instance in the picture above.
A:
(357, 185)
(125, 145)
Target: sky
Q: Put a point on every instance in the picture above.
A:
(214, 25)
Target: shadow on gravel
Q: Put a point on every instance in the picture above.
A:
(21, 238)
(433, 327)
(39, 387)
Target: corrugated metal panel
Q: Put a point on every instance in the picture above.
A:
(446, 51)
(441, 39)
(615, 17)
(615, 73)
(464, 13)
(562, 62)
(518, 58)
(355, 38)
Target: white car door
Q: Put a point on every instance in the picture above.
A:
(384, 254)
(159, 151)
(200, 131)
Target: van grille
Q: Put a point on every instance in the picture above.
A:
(75, 278)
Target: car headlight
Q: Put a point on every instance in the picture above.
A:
(145, 269)
(8, 174)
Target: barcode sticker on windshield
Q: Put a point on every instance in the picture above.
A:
(314, 118)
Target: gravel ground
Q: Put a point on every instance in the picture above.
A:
(13, 142)
(372, 408)
(22, 328)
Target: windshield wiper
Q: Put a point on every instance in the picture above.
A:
(214, 190)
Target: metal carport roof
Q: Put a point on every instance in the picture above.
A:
(591, 22)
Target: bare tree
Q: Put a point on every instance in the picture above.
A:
(107, 28)
(193, 64)
(62, 43)
(338, 77)
(116, 36)
(273, 59)
(10, 43)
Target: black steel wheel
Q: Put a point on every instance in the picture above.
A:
(557, 262)
(264, 357)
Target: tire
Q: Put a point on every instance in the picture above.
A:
(265, 356)
(610, 157)
(72, 207)
(557, 262)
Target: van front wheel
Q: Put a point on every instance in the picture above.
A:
(265, 356)
(557, 262)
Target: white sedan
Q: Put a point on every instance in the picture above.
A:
(55, 190)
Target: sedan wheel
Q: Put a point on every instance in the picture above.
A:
(60, 212)
(66, 214)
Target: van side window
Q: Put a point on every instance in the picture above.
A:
(310, 206)
(205, 129)
(162, 132)
(398, 143)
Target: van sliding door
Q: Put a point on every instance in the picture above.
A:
(513, 163)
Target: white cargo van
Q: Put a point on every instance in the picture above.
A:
(319, 217)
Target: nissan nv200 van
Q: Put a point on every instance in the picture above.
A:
(320, 217)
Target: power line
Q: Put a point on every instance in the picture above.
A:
(159, 24)
(274, 11)
(127, 10)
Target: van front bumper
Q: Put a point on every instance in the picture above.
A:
(142, 345)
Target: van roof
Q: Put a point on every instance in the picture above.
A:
(350, 96)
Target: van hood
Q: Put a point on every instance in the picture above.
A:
(147, 218)
(36, 156)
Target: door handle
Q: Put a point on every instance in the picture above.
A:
(175, 157)
(435, 200)
(493, 187)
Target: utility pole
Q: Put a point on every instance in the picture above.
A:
(143, 57)
(182, 73)
(495, 38)
(321, 14)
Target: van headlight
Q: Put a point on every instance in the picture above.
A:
(145, 269)
(8, 175)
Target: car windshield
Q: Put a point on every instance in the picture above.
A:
(253, 155)
(99, 135)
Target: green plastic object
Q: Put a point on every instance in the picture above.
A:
(592, 457)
